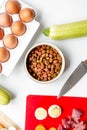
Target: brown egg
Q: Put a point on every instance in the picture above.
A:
(1, 33)
(18, 28)
(4, 54)
(12, 6)
(0, 68)
(10, 41)
(27, 14)
(5, 20)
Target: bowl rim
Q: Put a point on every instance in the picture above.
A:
(53, 46)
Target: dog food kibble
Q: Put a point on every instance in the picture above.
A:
(40, 113)
(40, 127)
(44, 63)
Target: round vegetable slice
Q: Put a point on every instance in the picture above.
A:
(52, 128)
(54, 111)
(40, 113)
(40, 127)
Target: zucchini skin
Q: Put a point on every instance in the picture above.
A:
(5, 96)
(66, 31)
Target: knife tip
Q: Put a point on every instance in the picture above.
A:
(58, 96)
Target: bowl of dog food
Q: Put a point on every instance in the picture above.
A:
(44, 62)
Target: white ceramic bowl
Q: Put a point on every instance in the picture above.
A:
(58, 50)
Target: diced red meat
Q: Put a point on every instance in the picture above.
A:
(60, 127)
(65, 123)
(73, 122)
(76, 114)
(80, 126)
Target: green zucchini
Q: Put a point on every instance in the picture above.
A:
(5, 96)
(66, 31)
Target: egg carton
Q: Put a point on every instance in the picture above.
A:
(23, 41)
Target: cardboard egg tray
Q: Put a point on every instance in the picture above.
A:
(23, 40)
(66, 103)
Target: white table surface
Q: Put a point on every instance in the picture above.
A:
(49, 12)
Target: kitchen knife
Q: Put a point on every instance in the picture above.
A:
(74, 78)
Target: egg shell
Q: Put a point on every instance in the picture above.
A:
(1, 33)
(18, 28)
(27, 14)
(4, 54)
(12, 6)
(10, 41)
(0, 68)
(5, 20)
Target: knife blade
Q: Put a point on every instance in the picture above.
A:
(76, 75)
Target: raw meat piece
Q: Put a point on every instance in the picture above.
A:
(76, 114)
(65, 123)
(80, 126)
(73, 122)
(60, 127)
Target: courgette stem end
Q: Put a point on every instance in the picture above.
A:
(46, 31)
